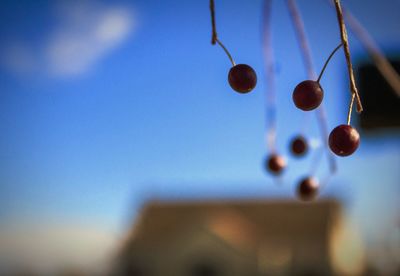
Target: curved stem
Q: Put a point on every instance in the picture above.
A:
(327, 61)
(226, 51)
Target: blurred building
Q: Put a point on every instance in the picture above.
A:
(231, 238)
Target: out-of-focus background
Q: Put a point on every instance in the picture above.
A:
(123, 150)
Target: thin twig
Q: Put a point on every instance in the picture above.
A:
(327, 61)
(381, 62)
(214, 36)
(270, 92)
(213, 25)
(306, 53)
(343, 36)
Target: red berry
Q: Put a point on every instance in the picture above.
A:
(299, 145)
(344, 140)
(307, 189)
(308, 95)
(275, 164)
(242, 78)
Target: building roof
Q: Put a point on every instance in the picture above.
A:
(239, 222)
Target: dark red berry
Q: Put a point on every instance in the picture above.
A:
(242, 78)
(308, 95)
(307, 189)
(344, 140)
(275, 164)
(299, 145)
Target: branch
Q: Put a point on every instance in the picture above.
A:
(213, 26)
(343, 36)
(214, 36)
(381, 62)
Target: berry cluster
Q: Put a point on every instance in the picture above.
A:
(308, 95)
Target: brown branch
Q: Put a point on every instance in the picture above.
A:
(343, 36)
(213, 25)
(214, 36)
(381, 62)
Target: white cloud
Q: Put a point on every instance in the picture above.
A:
(86, 38)
(85, 34)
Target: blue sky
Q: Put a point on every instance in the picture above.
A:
(105, 104)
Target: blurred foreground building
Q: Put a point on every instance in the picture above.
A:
(231, 238)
